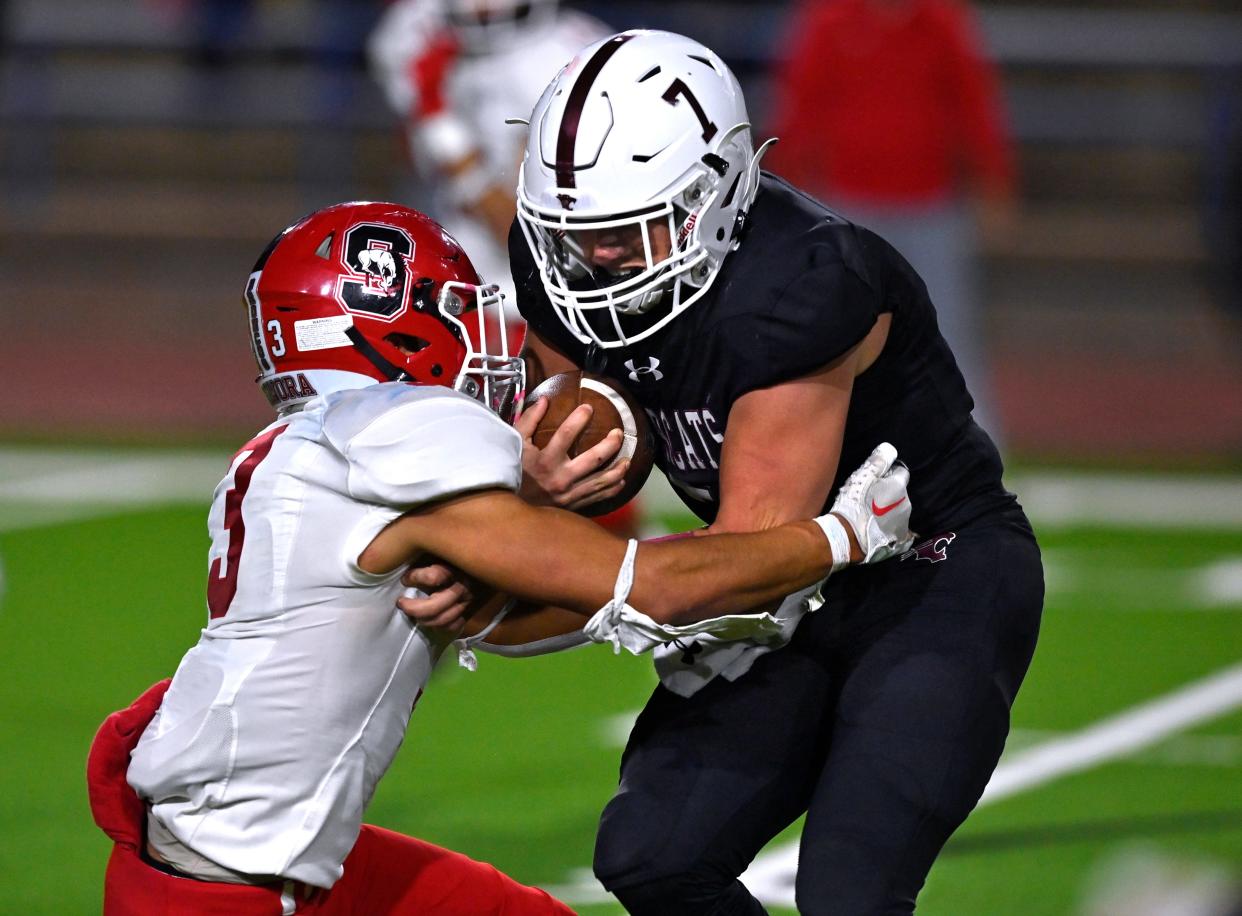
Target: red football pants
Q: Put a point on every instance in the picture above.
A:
(385, 872)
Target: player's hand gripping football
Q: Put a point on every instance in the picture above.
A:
(551, 477)
(874, 502)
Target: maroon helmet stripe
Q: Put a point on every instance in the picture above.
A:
(568, 135)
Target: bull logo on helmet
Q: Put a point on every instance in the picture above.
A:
(380, 268)
(376, 259)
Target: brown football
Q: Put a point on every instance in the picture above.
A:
(613, 407)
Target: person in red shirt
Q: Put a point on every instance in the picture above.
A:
(889, 111)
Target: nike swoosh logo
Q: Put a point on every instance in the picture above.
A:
(884, 510)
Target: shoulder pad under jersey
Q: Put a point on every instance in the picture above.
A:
(407, 444)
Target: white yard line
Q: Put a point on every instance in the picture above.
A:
(1220, 750)
(109, 477)
(1220, 583)
(129, 478)
(41, 487)
(1211, 587)
(614, 731)
(771, 876)
(1131, 500)
(1119, 735)
(1063, 499)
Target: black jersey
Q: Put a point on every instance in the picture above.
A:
(804, 287)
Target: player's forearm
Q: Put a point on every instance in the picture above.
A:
(679, 582)
(548, 556)
(696, 578)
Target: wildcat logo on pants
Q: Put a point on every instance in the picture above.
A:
(932, 550)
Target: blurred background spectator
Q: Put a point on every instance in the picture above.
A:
(153, 176)
(140, 175)
(454, 71)
(889, 111)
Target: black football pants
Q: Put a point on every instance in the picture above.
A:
(883, 719)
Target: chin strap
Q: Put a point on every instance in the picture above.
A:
(375, 358)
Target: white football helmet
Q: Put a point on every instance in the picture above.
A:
(486, 25)
(643, 132)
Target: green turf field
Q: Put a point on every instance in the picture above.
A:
(513, 763)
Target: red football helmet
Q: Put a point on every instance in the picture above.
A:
(374, 292)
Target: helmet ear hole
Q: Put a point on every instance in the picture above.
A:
(407, 343)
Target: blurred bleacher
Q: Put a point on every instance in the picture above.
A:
(140, 178)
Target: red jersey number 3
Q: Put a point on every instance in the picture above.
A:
(222, 586)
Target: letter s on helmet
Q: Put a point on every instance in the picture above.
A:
(361, 293)
(641, 127)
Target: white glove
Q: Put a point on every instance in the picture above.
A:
(873, 500)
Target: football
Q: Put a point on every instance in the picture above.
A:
(613, 408)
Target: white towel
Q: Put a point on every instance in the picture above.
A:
(689, 656)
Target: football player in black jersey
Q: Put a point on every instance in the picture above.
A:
(773, 343)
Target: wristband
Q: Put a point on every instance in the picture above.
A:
(625, 576)
(838, 540)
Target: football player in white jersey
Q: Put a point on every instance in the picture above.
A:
(251, 770)
(455, 71)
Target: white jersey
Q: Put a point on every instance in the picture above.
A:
(482, 89)
(282, 719)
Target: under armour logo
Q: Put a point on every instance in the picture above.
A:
(643, 373)
(933, 550)
(688, 652)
